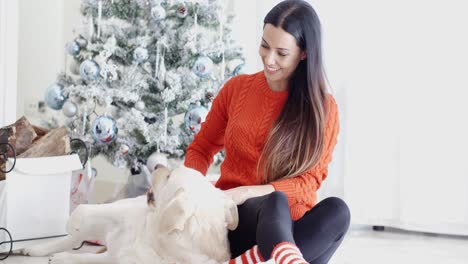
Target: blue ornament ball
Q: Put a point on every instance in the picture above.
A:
(194, 118)
(240, 69)
(203, 66)
(89, 70)
(104, 130)
(140, 54)
(73, 48)
(54, 96)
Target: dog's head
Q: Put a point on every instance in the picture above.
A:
(192, 213)
(183, 191)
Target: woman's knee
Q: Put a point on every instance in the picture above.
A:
(340, 210)
(275, 203)
(277, 198)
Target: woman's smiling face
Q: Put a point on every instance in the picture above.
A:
(280, 56)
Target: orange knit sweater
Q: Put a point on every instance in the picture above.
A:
(240, 118)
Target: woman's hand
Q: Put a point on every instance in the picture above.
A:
(240, 194)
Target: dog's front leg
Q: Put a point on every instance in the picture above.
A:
(83, 258)
(57, 245)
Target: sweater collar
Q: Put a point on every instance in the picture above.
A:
(261, 80)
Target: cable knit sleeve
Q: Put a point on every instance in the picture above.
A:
(210, 139)
(301, 190)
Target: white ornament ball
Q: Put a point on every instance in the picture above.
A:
(140, 105)
(140, 54)
(69, 109)
(203, 66)
(158, 13)
(155, 159)
(124, 149)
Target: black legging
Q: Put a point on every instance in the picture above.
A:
(266, 221)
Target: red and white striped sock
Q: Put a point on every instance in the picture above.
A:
(287, 253)
(251, 256)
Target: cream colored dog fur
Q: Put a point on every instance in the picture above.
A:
(188, 224)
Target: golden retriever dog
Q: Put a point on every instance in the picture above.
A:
(187, 222)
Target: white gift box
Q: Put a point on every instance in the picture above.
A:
(35, 199)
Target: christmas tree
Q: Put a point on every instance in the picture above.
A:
(135, 66)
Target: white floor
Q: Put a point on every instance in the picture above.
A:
(364, 246)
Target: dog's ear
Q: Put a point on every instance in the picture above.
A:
(177, 212)
(230, 213)
(160, 176)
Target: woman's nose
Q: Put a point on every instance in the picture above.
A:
(270, 59)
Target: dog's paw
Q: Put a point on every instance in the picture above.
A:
(61, 258)
(36, 251)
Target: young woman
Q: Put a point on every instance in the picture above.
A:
(279, 128)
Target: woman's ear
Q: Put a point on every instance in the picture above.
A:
(303, 55)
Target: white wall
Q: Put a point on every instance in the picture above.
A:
(8, 61)
(44, 28)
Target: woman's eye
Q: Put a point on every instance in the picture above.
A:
(264, 46)
(282, 55)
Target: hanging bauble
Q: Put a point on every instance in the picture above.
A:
(194, 117)
(89, 70)
(155, 159)
(240, 69)
(140, 54)
(124, 149)
(54, 96)
(75, 67)
(140, 105)
(104, 129)
(203, 66)
(158, 13)
(81, 41)
(182, 10)
(73, 48)
(69, 109)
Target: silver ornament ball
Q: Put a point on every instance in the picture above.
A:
(69, 109)
(54, 96)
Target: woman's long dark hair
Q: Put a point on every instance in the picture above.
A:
(295, 143)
